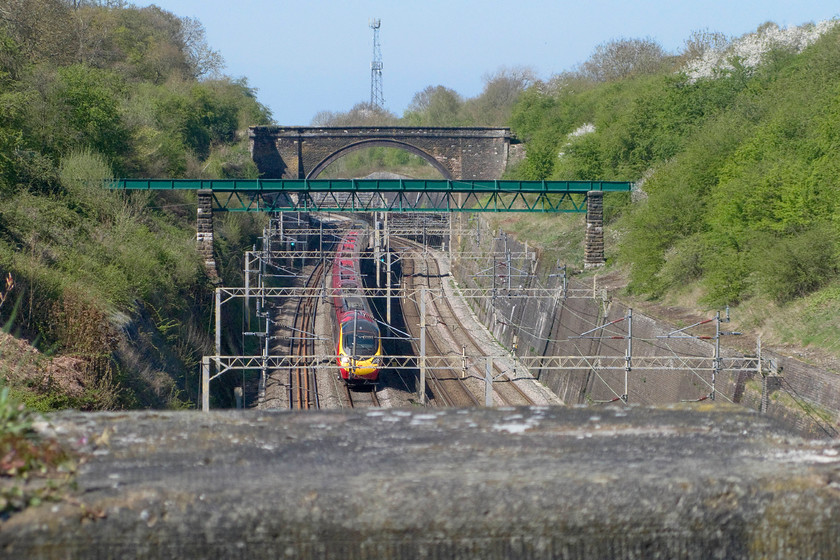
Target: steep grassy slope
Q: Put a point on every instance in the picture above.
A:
(737, 171)
(111, 283)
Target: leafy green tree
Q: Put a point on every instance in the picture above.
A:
(12, 60)
(146, 44)
(93, 98)
(801, 263)
(434, 106)
(42, 28)
(540, 158)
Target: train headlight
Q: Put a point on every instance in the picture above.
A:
(344, 360)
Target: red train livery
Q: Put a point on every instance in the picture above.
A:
(358, 344)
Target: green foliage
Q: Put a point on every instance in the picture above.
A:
(361, 114)
(624, 58)
(81, 174)
(441, 106)
(15, 418)
(580, 159)
(230, 162)
(494, 105)
(801, 263)
(434, 106)
(364, 161)
(11, 58)
(93, 99)
(730, 169)
(145, 44)
(85, 95)
(540, 158)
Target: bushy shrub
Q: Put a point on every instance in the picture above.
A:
(801, 263)
(83, 174)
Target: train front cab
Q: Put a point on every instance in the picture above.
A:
(359, 350)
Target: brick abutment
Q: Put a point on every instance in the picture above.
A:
(204, 231)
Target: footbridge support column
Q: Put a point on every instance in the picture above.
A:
(594, 250)
(204, 232)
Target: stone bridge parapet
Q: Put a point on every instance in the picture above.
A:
(465, 153)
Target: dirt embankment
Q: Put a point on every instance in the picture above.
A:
(24, 365)
(143, 371)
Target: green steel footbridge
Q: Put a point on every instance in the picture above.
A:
(385, 195)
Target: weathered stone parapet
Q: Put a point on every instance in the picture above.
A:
(594, 250)
(691, 482)
(204, 231)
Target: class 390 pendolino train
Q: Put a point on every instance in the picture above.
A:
(358, 342)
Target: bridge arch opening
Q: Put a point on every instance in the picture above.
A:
(378, 142)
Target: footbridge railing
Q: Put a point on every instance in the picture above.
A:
(385, 195)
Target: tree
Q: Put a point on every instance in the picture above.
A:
(93, 98)
(494, 105)
(42, 28)
(703, 41)
(362, 114)
(203, 60)
(434, 106)
(624, 58)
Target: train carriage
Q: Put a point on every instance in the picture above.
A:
(358, 341)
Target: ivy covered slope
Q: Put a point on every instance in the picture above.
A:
(734, 147)
(109, 287)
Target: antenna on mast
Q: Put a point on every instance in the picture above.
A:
(376, 97)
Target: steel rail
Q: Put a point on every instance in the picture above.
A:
(302, 381)
(453, 380)
(504, 379)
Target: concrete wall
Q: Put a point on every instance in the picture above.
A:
(538, 483)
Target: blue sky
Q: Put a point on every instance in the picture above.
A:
(305, 56)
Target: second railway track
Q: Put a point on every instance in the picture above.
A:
(303, 384)
(451, 331)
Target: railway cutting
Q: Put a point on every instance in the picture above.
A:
(338, 303)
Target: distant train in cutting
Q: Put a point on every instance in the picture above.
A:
(358, 342)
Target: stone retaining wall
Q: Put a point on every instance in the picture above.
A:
(806, 397)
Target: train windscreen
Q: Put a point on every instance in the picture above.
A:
(366, 337)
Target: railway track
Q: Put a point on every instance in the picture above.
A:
(446, 319)
(361, 399)
(303, 385)
(446, 388)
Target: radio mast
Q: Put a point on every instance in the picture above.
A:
(376, 97)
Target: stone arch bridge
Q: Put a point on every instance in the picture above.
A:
(466, 153)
